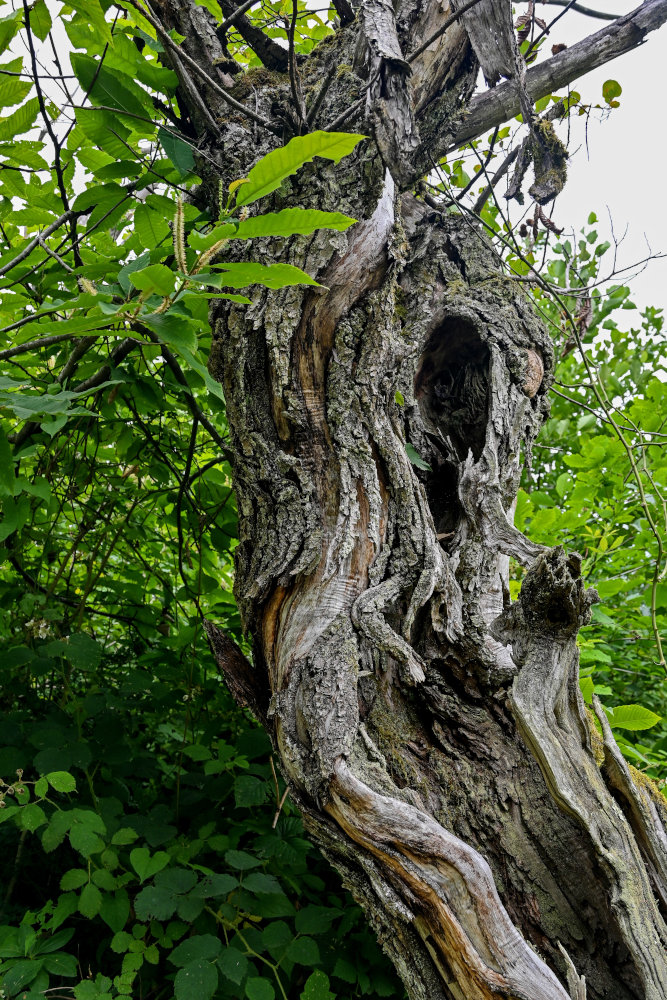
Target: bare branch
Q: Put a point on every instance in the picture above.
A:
(273, 56)
(582, 10)
(497, 106)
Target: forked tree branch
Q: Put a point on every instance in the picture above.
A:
(502, 103)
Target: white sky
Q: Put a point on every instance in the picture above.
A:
(621, 169)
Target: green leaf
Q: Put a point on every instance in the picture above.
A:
(304, 951)
(634, 717)
(145, 865)
(317, 987)
(9, 25)
(104, 130)
(250, 791)
(343, 969)
(109, 88)
(40, 20)
(196, 981)
(92, 14)
(13, 90)
(269, 275)
(126, 835)
(154, 278)
(611, 89)
(155, 902)
(176, 880)
(55, 832)
(41, 788)
(85, 841)
(62, 965)
(62, 781)
(257, 988)
(20, 120)
(216, 885)
(7, 478)
(290, 222)
(115, 909)
(103, 880)
(55, 941)
(173, 329)
(262, 884)
(587, 689)
(84, 653)
(315, 919)
(416, 458)
(233, 964)
(273, 168)
(178, 150)
(121, 942)
(32, 817)
(90, 901)
(20, 975)
(241, 860)
(151, 227)
(564, 483)
(201, 946)
(399, 398)
(73, 879)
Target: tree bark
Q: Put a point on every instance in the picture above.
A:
(432, 732)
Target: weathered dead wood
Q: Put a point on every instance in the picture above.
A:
(491, 32)
(432, 733)
(487, 110)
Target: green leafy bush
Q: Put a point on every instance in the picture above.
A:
(148, 849)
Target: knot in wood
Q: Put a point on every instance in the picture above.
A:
(534, 373)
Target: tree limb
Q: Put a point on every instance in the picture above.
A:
(582, 10)
(498, 105)
(273, 56)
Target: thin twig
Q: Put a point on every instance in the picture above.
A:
(485, 164)
(280, 799)
(35, 345)
(229, 21)
(321, 94)
(583, 10)
(46, 118)
(295, 83)
(35, 242)
(55, 256)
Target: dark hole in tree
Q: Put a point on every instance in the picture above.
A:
(452, 388)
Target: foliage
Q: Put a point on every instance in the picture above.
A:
(143, 846)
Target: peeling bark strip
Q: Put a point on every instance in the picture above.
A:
(491, 32)
(432, 733)
(450, 887)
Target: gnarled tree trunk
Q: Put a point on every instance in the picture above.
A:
(431, 731)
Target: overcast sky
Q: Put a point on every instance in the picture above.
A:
(621, 170)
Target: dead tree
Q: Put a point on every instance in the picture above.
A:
(432, 732)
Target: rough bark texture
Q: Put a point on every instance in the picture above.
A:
(432, 732)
